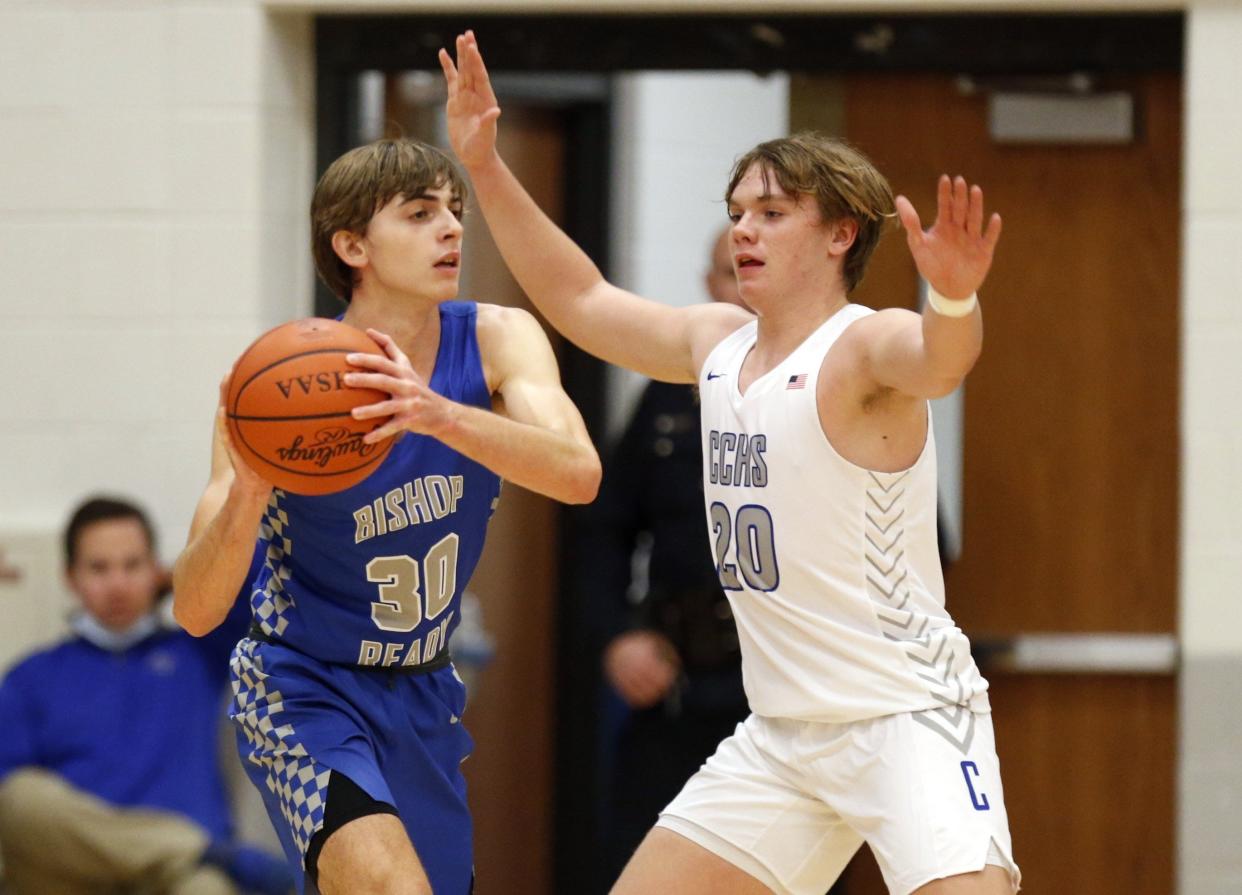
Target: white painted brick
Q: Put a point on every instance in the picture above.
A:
(40, 263)
(96, 457)
(286, 270)
(176, 452)
(167, 464)
(1211, 371)
(117, 373)
(1210, 717)
(288, 61)
(1209, 584)
(213, 4)
(204, 352)
(32, 474)
(217, 55)
(1214, 68)
(216, 268)
(1235, 467)
(1206, 881)
(33, 66)
(1212, 522)
(28, 346)
(38, 157)
(124, 270)
(120, 160)
(287, 163)
(1220, 799)
(1212, 266)
(216, 161)
(1213, 146)
(121, 56)
(1211, 549)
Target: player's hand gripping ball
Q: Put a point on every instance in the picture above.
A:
(288, 408)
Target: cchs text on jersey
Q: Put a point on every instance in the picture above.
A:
(735, 458)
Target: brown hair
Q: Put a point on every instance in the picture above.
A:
(843, 181)
(102, 509)
(360, 183)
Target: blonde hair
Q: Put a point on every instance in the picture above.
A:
(843, 181)
(360, 183)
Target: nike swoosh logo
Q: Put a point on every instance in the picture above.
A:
(711, 376)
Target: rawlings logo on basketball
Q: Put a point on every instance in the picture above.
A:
(328, 445)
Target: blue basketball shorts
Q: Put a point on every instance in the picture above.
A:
(398, 737)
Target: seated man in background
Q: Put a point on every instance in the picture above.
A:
(110, 778)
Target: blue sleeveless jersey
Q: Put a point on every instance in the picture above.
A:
(373, 575)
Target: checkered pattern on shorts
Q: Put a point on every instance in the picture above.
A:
(300, 785)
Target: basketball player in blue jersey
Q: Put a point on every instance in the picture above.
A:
(869, 720)
(347, 706)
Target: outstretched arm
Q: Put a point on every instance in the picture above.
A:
(537, 440)
(211, 569)
(660, 341)
(928, 356)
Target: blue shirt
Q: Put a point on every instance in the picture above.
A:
(137, 728)
(373, 575)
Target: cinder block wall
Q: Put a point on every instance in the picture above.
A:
(155, 167)
(1210, 530)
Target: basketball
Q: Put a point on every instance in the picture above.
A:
(288, 408)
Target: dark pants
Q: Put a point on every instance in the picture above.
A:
(655, 755)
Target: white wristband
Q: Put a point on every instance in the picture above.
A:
(951, 307)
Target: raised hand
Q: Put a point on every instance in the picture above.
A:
(413, 405)
(955, 254)
(472, 109)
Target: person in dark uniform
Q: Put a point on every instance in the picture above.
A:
(670, 644)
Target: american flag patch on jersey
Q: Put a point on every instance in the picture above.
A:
(798, 381)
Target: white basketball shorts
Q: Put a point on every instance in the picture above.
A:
(789, 802)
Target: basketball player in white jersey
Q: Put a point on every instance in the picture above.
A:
(870, 722)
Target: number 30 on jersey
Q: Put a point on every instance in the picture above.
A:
(399, 607)
(749, 537)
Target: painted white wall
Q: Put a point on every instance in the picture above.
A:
(675, 138)
(1211, 535)
(1210, 777)
(156, 161)
(154, 170)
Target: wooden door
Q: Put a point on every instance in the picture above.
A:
(510, 713)
(1071, 458)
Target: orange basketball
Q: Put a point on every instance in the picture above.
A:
(288, 408)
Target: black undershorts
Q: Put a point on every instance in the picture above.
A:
(346, 801)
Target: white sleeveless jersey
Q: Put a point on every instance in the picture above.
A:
(832, 570)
